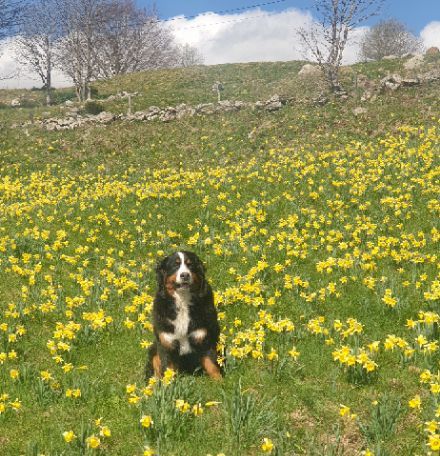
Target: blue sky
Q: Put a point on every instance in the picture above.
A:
(266, 33)
(414, 13)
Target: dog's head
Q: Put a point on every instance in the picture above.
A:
(181, 271)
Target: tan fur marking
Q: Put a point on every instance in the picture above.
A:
(165, 342)
(156, 366)
(211, 368)
(170, 284)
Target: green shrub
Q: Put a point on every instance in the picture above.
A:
(93, 107)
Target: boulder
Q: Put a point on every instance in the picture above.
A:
(434, 50)
(309, 70)
(390, 57)
(104, 117)
(414, 62)
(16, 102)
(205, 108)
(168, 114)
(410, 82)
(273, 104)
(391, 82)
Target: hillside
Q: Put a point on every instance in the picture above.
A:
(319, 226)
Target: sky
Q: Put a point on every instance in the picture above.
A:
(252, 30)
(414, 13)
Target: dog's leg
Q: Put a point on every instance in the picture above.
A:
(157, 366)
(150, 368)
(210, 366)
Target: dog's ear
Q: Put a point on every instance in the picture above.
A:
(160, 276)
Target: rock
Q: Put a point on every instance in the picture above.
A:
(168, 114)
(227, 106)
(367, 95)
(434, 50)
(69, 103)
(309, 70)
(391, 82)
(184, 110)
(433, 75)
(16, 102)
(273, 104)
(359, 111)
(390, 57)
(414, 62)
(410, 82)
(205, 108)
(321, 100)
(104, 117)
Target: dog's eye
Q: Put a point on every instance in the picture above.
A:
(177, 261)
(188, 263)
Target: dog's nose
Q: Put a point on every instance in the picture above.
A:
(184, 276)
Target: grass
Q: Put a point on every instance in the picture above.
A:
(305, 218)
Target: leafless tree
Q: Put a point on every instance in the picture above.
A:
(189, 56)
(36, 41)
(132, 39)
(326, 39)
(388, 38)
(77, 50)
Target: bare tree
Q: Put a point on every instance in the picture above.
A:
(388, 38)
(326, 39)
(77, 51)
(189, 56)
(132, 39)
(37, 37)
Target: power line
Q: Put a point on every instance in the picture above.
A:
(207, 13)
(227, 22)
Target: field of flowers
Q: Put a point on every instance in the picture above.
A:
(326, 270)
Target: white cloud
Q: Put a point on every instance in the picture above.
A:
(431, 34)
(250, 36)
(21, 77)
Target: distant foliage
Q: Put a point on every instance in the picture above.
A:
(93, 107)
(389, 38)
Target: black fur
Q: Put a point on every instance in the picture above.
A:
(202, 315)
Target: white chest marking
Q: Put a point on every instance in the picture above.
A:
(181, 323)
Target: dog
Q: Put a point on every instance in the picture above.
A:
(185, 321)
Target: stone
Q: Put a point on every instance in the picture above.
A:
(321, 100)
(391, 82)
(309, 70)
(16, 102)
(433, 50)
(390, 57)
(414, 62)
(273, 104)
(410, 82)
(359, 111)
(104, 117)
(168, 114)
(205, 108)
(69, 103)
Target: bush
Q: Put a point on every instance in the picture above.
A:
(93, 107)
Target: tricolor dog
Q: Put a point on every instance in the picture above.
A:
(184, 318)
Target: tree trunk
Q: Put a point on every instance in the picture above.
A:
(48, 81)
